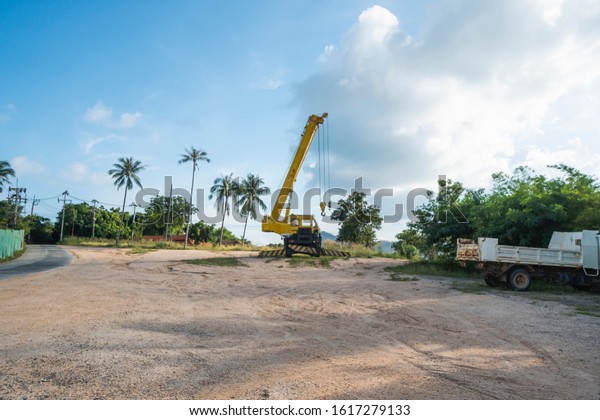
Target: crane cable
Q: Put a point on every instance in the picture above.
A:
(324, 167)
(328, 187)
(319, 163)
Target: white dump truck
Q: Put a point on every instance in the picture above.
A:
(571, 258)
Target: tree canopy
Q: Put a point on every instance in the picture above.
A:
(5, 173)
(358, 220)
(248, 199)
(524, 209)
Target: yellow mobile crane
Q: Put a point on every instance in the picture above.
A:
(301, 233)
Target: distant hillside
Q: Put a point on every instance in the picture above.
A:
(326, 236)
(386, 246)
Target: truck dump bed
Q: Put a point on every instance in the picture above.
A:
(538, 256)
(565, 250)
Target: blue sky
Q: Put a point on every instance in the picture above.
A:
(414, 90)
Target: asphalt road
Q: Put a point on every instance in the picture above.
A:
(36, 259)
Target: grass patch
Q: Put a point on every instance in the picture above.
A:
(140, 250)
(77, 241)
(542, 290)
(217, 262)
(308, 261)
(395, 276)
(588, 309)
(425, 268)
(144, 244)
(472, 286)
(356, 250)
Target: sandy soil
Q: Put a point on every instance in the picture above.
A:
(119, 326)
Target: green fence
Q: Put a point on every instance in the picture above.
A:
(11, 241)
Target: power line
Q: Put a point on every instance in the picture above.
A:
(91, 201)
(49, 198)
(47, 206)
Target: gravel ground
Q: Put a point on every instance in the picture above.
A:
(116, 325)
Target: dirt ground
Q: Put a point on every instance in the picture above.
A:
(116, 325)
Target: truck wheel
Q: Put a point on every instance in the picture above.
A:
(520, 280)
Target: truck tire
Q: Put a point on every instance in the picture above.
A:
(519, 280)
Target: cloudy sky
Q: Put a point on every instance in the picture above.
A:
(414, 90)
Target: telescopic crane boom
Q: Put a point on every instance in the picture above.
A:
(301, 233)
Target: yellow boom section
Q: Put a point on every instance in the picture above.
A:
(280, 221)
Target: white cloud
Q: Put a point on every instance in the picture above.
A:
(9, 111)
(100, 178)
(574, 153)
(81, 173)
(103, 115)
(98, 114)
(272, 82)
(374, 26)
(76, 172)
(92, 141)
(128, 120)
(22, 166)
(550, 10)
(483, 87)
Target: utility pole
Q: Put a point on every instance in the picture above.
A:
(64, 200)
(135, 206)
(169, 216)
(17, 196)
(73, 225)
(94, 202)
(34, 202)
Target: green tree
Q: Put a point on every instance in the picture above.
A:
(523, 209)
(108, 223)
(156, 216)
(125, 173)
(410, 244)
(192, 155)
(202, 232)
(224, 188)
(358, 220)
(248, 201)
(79, 221)
(446, 216)
(6, 211)
(5, 173)
(39, 230)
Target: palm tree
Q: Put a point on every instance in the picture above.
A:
(223, 188)
(5, 172)
(192, 155)
(249, 200)
(125, 173)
